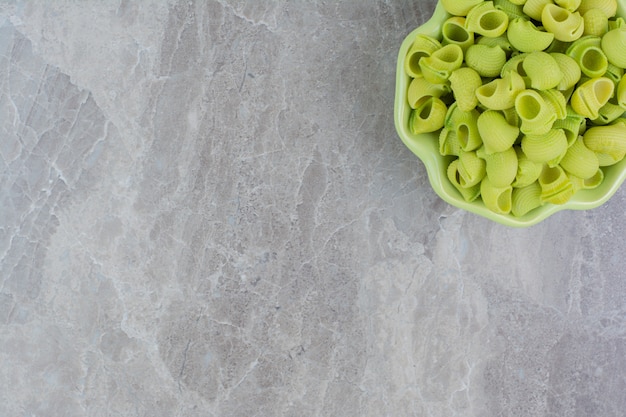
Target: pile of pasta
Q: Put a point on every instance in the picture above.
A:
(528, 96)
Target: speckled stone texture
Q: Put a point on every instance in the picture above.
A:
(205, 210)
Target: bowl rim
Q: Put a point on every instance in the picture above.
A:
(431, 160)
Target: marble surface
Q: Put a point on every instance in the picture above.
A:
(206, 211)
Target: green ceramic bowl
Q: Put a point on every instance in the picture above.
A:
(426, 147)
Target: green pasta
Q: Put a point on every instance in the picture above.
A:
(609, 142)
(533, 8)
(422, 46)
(526, 37)
(484, 59)
(449, 144)
(459, 7)
(525, 199)
(464, 82)
(556, 187)
(484, 19)
(570, 70)
(453, 31)
(500, 93)
(580, 160)
(472, 169)
(596, 23)
(512, 10)
(527, 171)
(542, 70)
(589, 55)
(565, 25)
(468, 193)
(591, 96)
(548, 148)
(537, 116)
(421, 90)
(621, 92)
(570, 5)
(609, 7)
(614, 45)
(428, 117)
(608, 114)
(496, 198)
(497, 134)
(464, 125)
(437, 67)
(501, 166)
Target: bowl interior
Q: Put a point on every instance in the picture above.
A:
(426, 148)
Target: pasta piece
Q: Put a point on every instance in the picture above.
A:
(464, 82)
(511, 116)
(469, 194)
(518, 2)
(486, 60)
(454, 31)
(580, 160)
(556, 187)
(496, 198)
(428, 117)
(536, 115)
(437, 67)
(589, 55)
(472, 169)
(614, 45)
(614, 73)
(422, 46)
(608, 114)
(464, 126)
(542, 70)
(496, 133)
(589, 183)
(570, 5)
(500, 93)
(572, 126)
(565, 25)
(621, 92)
(449, 143)
(525, 199)
(591, 96)
(596, 23)
(512, 10)
(501, 41)
(527, 171)
(533, 8)
(548, 148)
(526, 37)
(607, 140)
(570, 70)
(516, 64)
(459, 7)
(609, 7)
(420, 90)
(557, 101)
(501, 166)
(617, 23)
(486, 20)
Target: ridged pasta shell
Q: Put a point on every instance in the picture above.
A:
(570, 5)
(422, 46)
(608, 114)
(468, 193)
(512, 10)
(472, 169)
(589, 183)
(609, 140)
(533, 8)
(437, 67)
(484, 19)
(420, 89)
(500, 93)
(572, 126)
(587, 52)
(609, 7)
(542, 70)
(556, 187)
(596, 23)
(449, 143)
(527, 171)
(614, 45)
(501, 41)
(614, 73)
(536, 115)
(580, 160)
(617, 23)
(525, 199)
(453, 31)
(565, 25)
(428, 117)
(569, 68)
(591, 96)
(464, 82)
(501, 166)
(464, 126)
(526, 37)
(556, 99)
(621, 92)
(486, 60)
(496, 133)
(459, 7)
(496, 198)
(548, 148)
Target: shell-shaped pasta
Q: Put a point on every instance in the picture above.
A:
(496, 133)
(527, 171)
(501, 166)
(428, 117)
(548, 148)
(569, 68)
(589, 97)
(542, 70)
(596, 23)
(608, 114)
(516, 64)
(556, 187)
(464, 82)
(580, 160)
(571, 5)
(486, 20)
(565, 25)
(621, 92)
(472, 169)
(449, 143)
(501, 41)
(511, 116)
(525, 199)
(614, 73)
(468, 193)
(556, 99)
(617, 23)
(536, 115)
(420, 90)
(572, 126)
(422, 46)
(594, 181)
(459, 7)
(512, 10)
(463, 123)
(609, 140)
(526, 37)
(609, 7)
(454, 31)
(533, 8)
(614, 45)
(589, 55)
(486, 60)
(496, 198)
(500, 93)
(437, 67)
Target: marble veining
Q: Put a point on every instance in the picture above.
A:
(205, 211)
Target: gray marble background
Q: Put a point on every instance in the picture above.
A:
(206, 211)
